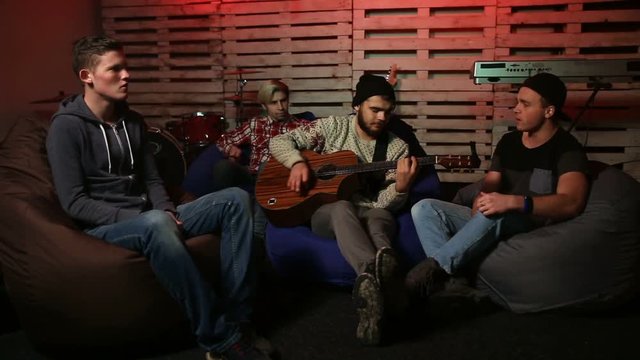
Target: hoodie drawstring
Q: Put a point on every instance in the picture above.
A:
(106, 144)
(126, 134)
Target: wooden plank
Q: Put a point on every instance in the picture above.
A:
(453, 96)
(627, 98)
(268, 19)
(394, 4)
(483, 150)
(169, 36)
(170, 87)
(339, 29)
(320, 97)
(323, 111)
(295, 59)
(181, 98)
(303, 45)
(169, 110)
(604, 116)
(460, 177)
(167, 10)
(453, 137)
(175, 74)
(451, 110)
(502, 3)
(284, 6)
(202, 48)
(411, 65)
(562, 17)
(208, 22)
(567, 40)
(415, 43)
(449, 124)
(326, 96)
(144, 3)
(298, 72)
(395, 23)
(444, 85)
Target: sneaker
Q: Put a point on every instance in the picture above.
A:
(241, 350)
(426, 278)
(368, 301)
(389, 277)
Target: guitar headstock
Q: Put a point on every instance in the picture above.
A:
(458, 161)
(392, 76)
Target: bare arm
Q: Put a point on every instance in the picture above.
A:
(568, 201)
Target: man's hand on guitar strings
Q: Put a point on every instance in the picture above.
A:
(406, 171)
(299, 177)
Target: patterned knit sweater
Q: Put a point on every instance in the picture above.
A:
(328, 135)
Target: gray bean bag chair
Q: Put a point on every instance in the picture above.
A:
(591, 261)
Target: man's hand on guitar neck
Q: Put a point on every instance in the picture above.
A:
(299, 177)
(406, 171)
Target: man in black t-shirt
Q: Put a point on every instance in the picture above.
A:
(537, 175)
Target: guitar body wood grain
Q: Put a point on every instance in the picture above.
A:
(284, 207)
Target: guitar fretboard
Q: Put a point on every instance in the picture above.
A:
(369, 167)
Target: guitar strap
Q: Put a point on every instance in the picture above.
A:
(380, 152)
(373, 181)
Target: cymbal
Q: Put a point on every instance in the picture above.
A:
(241, 72)
(56, 99)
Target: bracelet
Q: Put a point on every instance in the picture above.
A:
(528, 205)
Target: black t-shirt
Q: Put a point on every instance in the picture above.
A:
(536, 171)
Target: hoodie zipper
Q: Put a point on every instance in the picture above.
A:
(124, 154)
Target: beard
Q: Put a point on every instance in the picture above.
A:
(367, 129)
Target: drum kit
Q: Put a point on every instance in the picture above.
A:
(183, 140)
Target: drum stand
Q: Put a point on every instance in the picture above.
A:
(240, 92)
(239, 97)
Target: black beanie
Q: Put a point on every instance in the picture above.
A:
(372, 85)
(551, 88)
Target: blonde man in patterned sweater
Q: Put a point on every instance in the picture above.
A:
(363, 226)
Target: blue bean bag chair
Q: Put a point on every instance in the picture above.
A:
(298, 253)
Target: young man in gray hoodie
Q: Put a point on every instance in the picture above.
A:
(106, 179)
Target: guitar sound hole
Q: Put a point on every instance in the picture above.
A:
(326, 172)
(272, 201)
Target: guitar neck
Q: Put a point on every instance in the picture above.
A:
(374, 166)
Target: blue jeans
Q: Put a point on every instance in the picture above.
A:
(450, 235)
(214, 317)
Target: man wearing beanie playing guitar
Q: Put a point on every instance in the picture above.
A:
(363, 225)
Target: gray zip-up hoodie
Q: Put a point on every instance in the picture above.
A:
(103, 173)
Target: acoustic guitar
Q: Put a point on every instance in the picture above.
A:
(333, 178)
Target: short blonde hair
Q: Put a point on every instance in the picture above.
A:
(269, 88)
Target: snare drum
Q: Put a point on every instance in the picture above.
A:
(200, 128)
(170, 161)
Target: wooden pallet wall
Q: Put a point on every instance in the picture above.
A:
(577, 29)
(174, 50)
(434, 44)
(306, 44)
(183, 56)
